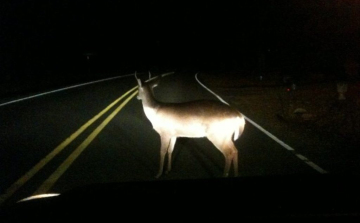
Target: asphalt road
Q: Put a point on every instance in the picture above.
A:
(63, 140)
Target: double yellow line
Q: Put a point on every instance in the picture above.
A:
(46, 186)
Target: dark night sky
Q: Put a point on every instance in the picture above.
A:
(53, 36)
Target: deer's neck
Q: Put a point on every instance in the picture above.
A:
(150, 105)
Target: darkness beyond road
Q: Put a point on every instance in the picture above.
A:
(87, 39)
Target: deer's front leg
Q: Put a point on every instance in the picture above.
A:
(170, 150)
(165, 141)
(235, 163)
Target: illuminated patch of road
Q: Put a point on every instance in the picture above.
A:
(276, 139)
(46, 186)
(22, 180)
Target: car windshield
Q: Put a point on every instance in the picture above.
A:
(97, 92)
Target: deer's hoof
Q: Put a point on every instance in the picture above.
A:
(158, 175)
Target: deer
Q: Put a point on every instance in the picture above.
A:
(219, 122)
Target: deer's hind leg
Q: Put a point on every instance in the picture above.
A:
(234, 158)
(228, 149)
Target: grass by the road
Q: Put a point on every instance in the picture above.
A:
(310, 118)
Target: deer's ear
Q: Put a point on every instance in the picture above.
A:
(138, 80)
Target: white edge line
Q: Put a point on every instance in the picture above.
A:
(161, 75)
(38, 197)
(313, 165)
(210, 90)
(166, 74)
(62, 89)
(276, 139)
(316, 167)
(301, 157)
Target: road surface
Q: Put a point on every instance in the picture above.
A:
(98, 133)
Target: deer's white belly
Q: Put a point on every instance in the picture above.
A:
(181, 131)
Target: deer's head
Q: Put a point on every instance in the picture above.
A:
(146, 87)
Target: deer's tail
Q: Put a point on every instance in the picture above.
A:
(240, 126)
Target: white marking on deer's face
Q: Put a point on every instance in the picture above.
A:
(140, 91)
(139, 94)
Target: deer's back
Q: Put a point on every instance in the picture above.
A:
(195, 118)
(202, 109)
